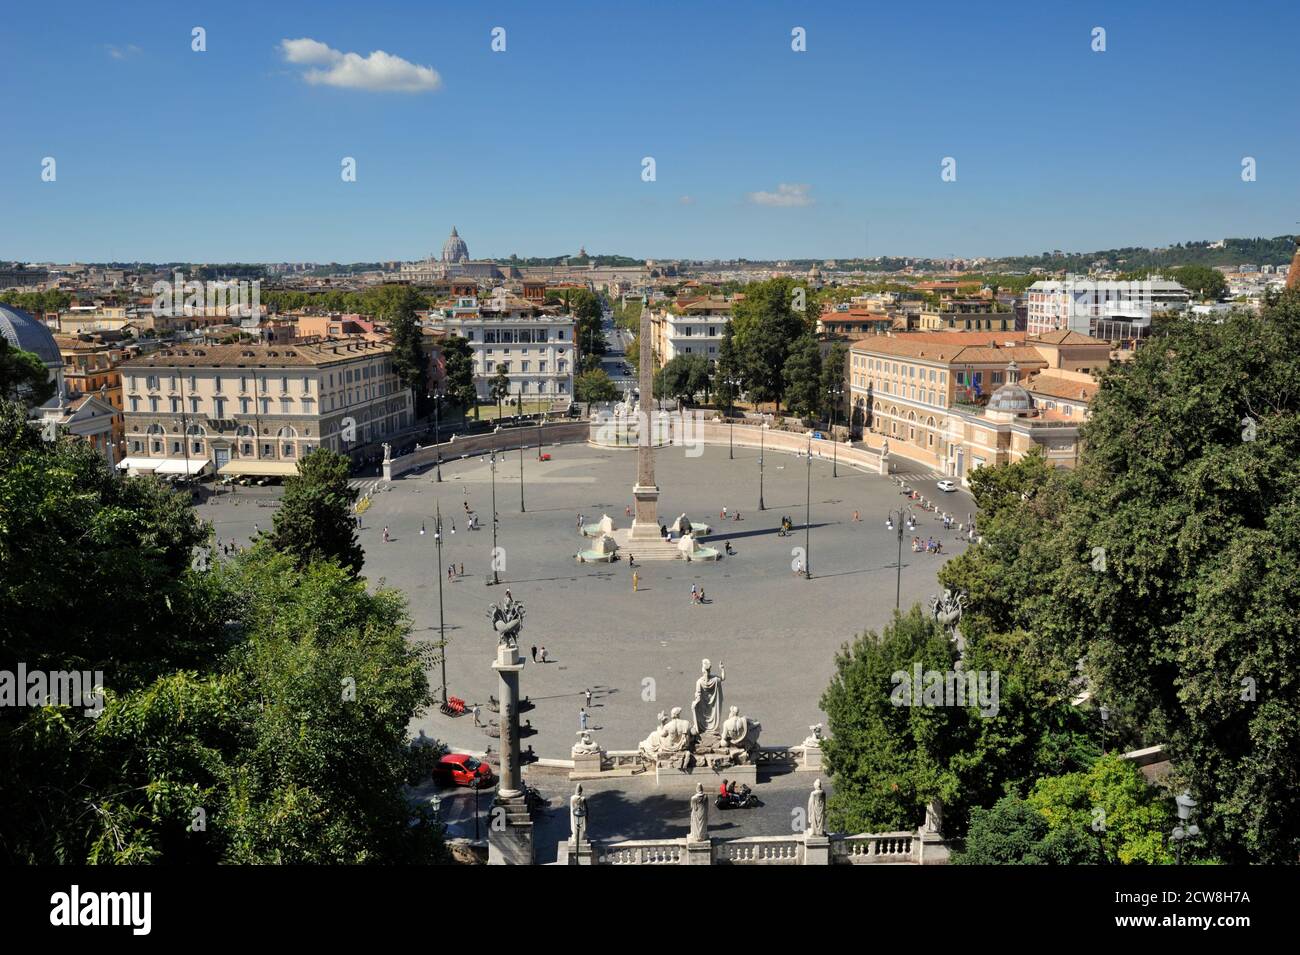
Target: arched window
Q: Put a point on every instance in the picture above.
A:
(286, 436)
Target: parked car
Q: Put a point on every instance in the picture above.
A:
(946, 485)
(462, 769)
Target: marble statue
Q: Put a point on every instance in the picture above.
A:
(699, 815)
(585, 744)
(682, 525)
(816, 810)
(577, 817)
(706, 707)
(671, 742)
(388, 452)
(947, 608)
(507, 620)
(884, 449)
(934, 816)
(740, 733)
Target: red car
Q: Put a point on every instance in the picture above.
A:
(462, 769)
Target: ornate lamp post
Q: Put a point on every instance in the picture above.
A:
(442, 624)
(1105, 718)
(438, 399)
(899, 517)
(733, 389)
(1183, 831)
(807, 520)
(835, 391)
(493, 468)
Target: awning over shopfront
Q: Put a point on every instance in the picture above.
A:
(252, 467)
(189, 466)
(139, 464)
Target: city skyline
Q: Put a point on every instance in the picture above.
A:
(760, 152)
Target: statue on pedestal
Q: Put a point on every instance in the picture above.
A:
(578, 817)
(706, 707)
(585, 744)
(740, 736)
(699, 815)
(670, 743)
(507, 620)
(934, 816)
(816, 810)
(388, 452)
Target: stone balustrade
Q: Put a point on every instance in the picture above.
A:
(873, 848)
(507, 439)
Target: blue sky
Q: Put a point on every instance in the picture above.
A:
(233, 154)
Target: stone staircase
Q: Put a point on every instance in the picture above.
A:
(659, 549)
(516, 808)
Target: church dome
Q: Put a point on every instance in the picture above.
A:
(454, 249)
(22, 330)
(1011, 398)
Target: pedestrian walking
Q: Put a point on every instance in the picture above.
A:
(534, 651)
(476, 712)
(582, 719)
(421, 528)
(724, 512)
(453, 525)
(631, 561)
(386, 537)
(449, 573)
(694, 590)
(587, 693)
(461, 571)
(542, 654)
(856, 517)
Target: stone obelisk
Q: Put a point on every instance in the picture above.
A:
(645, 522)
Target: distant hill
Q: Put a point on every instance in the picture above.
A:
(1259, 251)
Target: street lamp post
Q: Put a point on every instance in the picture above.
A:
(437, 434)
(733, 388)
(1105, 718)
(1186, 806)
(762, 447)
(442, 624)
(898, 517)
(807, 520)
(835, 391)
(493, 467)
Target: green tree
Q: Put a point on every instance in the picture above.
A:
(834, 378)
(1131, 818)
(499, 386)
(586, 309)
(1182, 521)
(683, 378)
(1202, 281)
(728, 369)
(765, 326)
(888, 760)
(595, 385)
(1013, 832)
(23, 376)
(398, 308)
(314, 521)
(458, 362)
(803, 376)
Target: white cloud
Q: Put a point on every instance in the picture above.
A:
(122, 52)
(687, 200)
(788, 195)
(379, 72)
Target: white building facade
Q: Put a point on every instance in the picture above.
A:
(1109, 310)
(535, 346)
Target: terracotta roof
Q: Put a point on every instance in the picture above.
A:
(1065, 337)
(244, 355)
(1055, 386)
